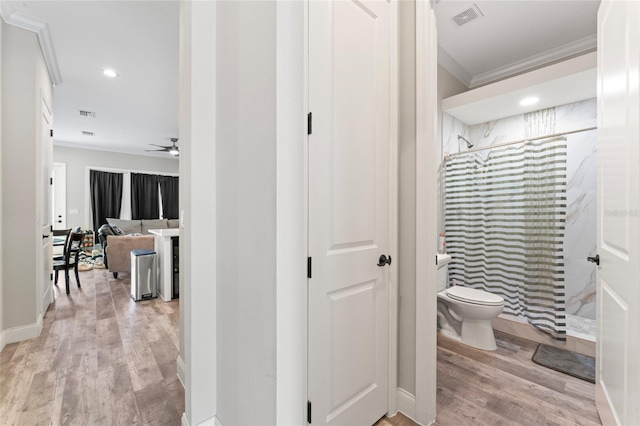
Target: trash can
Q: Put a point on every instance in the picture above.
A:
(144, 274)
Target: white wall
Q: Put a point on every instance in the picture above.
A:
(77, 161)
(25, 80)
(242, 178)
(246, 212)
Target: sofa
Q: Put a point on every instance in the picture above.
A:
(119, 237)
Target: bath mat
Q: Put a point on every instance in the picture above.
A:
(564, 361)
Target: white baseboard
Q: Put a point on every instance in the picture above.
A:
(23, 332)
(213, 421)
(406, 403)
(180, 370)
(47, 299)
(3, 341)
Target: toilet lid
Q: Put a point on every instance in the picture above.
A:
(471, 295)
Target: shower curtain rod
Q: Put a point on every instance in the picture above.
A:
(520, 141)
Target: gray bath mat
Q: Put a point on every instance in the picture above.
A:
(576, 365)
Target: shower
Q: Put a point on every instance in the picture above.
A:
(469, 144)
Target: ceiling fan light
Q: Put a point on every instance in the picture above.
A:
(174, 151)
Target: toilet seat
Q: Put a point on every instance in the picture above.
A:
(471, 295)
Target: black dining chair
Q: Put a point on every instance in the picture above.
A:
(69, 259)
(58, 241)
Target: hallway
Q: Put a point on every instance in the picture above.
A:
(101, 359)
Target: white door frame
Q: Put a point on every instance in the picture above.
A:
(394, 192)
(426, 194)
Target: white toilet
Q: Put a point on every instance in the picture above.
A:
(464, 313)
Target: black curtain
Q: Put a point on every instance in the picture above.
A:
(145, 203)
(169, 191)
(106, 197)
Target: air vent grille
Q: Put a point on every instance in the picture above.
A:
(88, 114)
(86, 133)
(468, 15)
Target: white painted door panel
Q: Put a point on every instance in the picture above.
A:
(44, 204)
(618, 373)
(349, 84)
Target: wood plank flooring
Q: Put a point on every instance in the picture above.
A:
(504, 388)
(101, 359)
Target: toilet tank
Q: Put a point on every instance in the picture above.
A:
(442, 261)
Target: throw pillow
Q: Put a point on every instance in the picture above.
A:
(127, 226)
(117, 230)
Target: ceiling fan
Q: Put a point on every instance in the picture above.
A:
(171, 149)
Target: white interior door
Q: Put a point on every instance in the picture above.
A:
(349, 97)
(618, 297)
(59, 193)
(44, 204)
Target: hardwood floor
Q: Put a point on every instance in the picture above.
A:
(101, 359)
(504, 388)
(397, 420)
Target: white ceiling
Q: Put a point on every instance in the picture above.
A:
(513, 36)
(139, 40)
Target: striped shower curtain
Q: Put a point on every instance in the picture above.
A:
(504, 222)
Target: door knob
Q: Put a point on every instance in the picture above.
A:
(595, 259)
(384, 260)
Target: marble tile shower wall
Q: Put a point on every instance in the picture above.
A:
(580, 232)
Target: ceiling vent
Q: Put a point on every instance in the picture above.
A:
(88, 114)
(85, 133)
(468, 15)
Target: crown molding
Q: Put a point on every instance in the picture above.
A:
(447, 62)
(29, 23)
(559, 53)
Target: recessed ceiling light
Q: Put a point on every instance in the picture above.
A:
(529, 101)
(109, 73)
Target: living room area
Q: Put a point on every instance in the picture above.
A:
(101, 357)
(77, 346)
